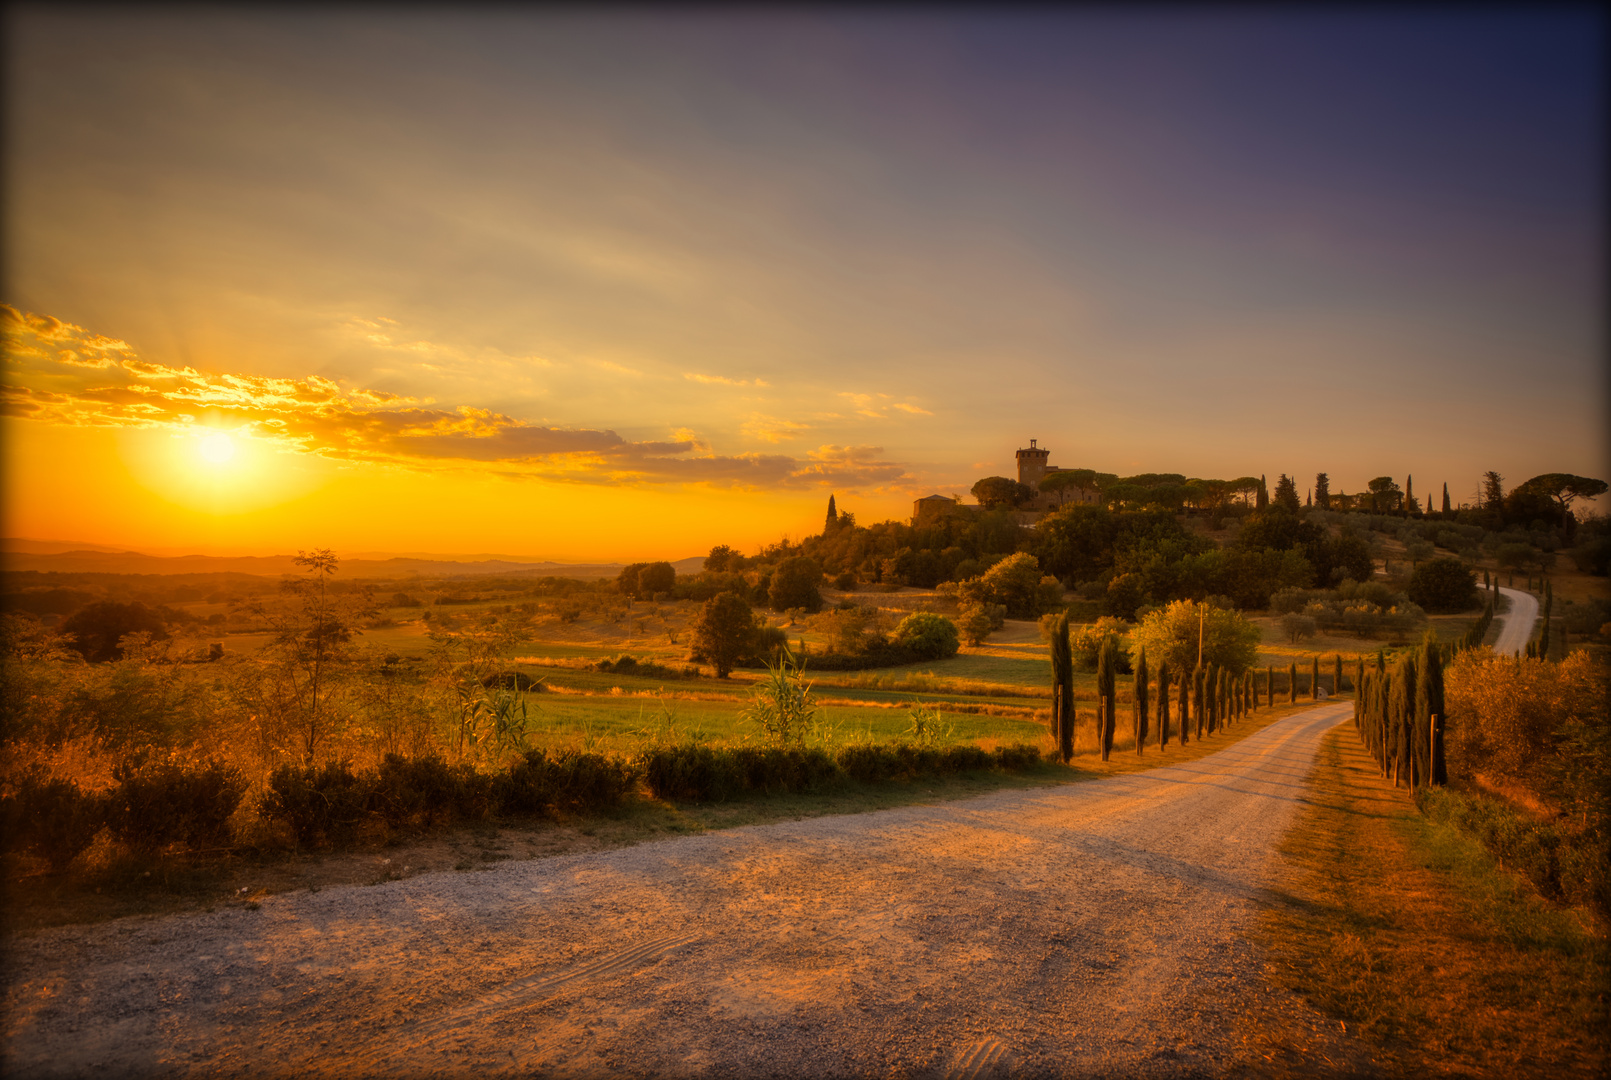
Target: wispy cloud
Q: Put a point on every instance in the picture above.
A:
(316, 415)
(877, 406)
(722, 380)
(771, 429)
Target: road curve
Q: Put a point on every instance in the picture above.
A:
(1516, 625)
(1083, 929)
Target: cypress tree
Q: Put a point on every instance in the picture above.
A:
(1184, 709)
(1336, 675)
(1106, 684)
(1163, 704)
(1269, 686)
(1410, 505)
(1402, 710)
(1063, 710)
(1429, 709)
(1445, 497)
(1197, 678)
(1141, 700)
(1261, 501)
(1292, 683)
(833, 517)
(1314, 677)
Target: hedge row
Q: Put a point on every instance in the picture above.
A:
(153, 805)
(329, 803)
(1564, 864)
(157, 805)
(693, 773)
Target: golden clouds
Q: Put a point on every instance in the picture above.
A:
(317, 416)
(722, 380)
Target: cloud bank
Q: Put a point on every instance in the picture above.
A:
(63, 374)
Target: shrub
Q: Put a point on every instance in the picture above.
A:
(929, 636)
(50, 817)
(424, 791)
(692, 773)
(317, 803)
(166, 802)
(1443, 585)
(796, 583)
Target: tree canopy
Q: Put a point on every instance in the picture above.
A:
(1000, 493)
(1171, 633)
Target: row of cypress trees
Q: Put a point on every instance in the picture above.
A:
(1399, 712)
(1211, 695)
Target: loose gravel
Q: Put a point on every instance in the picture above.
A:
(1085, 929)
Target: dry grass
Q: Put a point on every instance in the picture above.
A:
(1407, 934)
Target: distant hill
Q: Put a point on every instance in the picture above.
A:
(97, 559)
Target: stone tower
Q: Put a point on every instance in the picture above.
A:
(1032, 465)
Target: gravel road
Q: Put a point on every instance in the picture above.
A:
(1084, 929)
(1516, 625)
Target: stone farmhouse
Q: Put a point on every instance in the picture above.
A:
(1033, 467)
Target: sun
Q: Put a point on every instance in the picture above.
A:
(217, 448)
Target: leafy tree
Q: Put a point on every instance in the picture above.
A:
(1297, 627)
(978, 620)
(98, 628)
(1286, 493)
(1323, 491)
(655, 578)
(797, 583)
(722, 559)
(1061, 483)
(1493, 491)
(1171, 634)
(627, 580)
(1016, 584)
(1385, 497)
(725, 632)
(930, 636)
(1563, 488)
(1000, 493)
(1077, 543)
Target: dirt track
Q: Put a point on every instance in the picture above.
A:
(1516, 625)
(1087, 929)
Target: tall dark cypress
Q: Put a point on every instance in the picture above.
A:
(1269, 686)
(1314, 677)
(1336, 675)
(1106, 685)
(1184, 708)
(1163, 704)
(1292, 683)
(832, 521)
(1141, 700)
(1445, 497)
(1063, 712)
(1403, 719)
(1197, 679)
(1429, 709)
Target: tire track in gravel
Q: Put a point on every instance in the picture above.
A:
(1085, 929)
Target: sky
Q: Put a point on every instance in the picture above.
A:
(626, 284)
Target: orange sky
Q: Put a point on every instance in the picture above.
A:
(622, 288)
